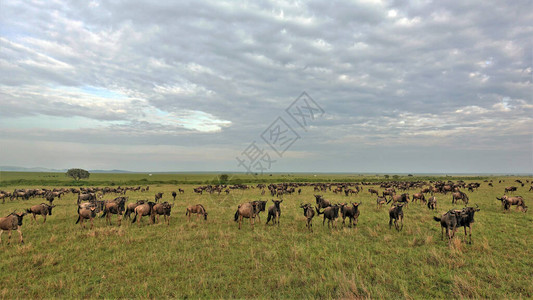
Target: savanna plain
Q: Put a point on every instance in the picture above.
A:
(214, 259)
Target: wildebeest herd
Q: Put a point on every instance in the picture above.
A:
(90, 203)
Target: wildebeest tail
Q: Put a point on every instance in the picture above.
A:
(28, 211)
(436, 219)
(187, 212)
(236, 216)
(318, 211)
(105, 213)
(78, 219)
(134, 218)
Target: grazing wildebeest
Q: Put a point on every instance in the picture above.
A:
(419, 196)
(174, 195)
(396, 214)
(197, 209)
(274, 212)
(86, 197)
(247, 210)
(373, 191)
(466, 220)
(13, 221)
(309, 213)
(181, 191)
(459, 195)
(510, 189)
(449, 221)
(42, 209)
(380, 201)
(116, 207)
(158, 196)
(331, 213)
(432, 202)
(351, 212)
(260, 206)
(143, 210)
(321, 202)
(403, 198)
(131, 207)
(86, 211)
(507, 202)
(162, 209)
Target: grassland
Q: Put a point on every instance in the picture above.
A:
(214, 259)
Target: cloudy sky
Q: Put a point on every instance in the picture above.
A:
(432, 86)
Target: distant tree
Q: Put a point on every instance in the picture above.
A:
(387, 176)
(78, 174)
(409, 175)
(223, 179)
(396, 177)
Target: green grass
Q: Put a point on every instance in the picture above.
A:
(214, 259)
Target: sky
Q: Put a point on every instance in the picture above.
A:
(268, 86)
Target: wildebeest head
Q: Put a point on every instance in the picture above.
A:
(19, 217)
(50, 208)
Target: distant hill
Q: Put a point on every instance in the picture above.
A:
(39, 169)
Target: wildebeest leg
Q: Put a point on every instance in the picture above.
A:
(44, 218)
(8, 237)
(470, 234)
(92, 223)
(325, 221)
(240, 220)
(34, 218)
(401, 222)
(20, 235)
(390, 223)
(1, 231)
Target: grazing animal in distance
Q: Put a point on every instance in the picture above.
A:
(380, 201)
(373, 191)
(432, 202)
(86, 213)
(174, 195)
(247, 210)
(396, 215)
(321, 202)
(274, 212)
(459, 196)
(42, 209)
(131, 207)
(419, 196)
(507, 202)
(158, 196)
(309, 213)
(13, 221)
(116, 207)
(197, 209)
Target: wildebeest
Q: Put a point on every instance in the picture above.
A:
(162, 209)
(507, 202)
(174, 195)
(432, 202)
(510, 189)
(246, 210)
(260, 206)
(466, 220)
(403, 198)
(396, 215)
(449, 221)
(459, 196)
(373, 191)
(116, 207)
(380, 201)
(143, 210)
(86, 212)
(321, 202)
(309, 213)
(419, 196)
(131, 207)
(158, 196)
(274, 212)
(351, 212)
(42, 209)
(331, 213)
(197, 209)
(13, 221)
(86, 197)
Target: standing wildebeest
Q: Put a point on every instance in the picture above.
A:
(507, 202)
(373, 191)
(380, 201)
(197, 209)
(131, 207)
(260, 206)
(86, 211)
(162, 209)
(321, 202)
(432, 202)
(403, 198)
(510, 189)
(450, 221)
(331, 213)
(352, 212)
(181, 191)
(116, 207)
(143, 210)
(274, 212)
(12, 222)
(247, 210)
(309, 213)
(419, 196)
(396, 214)
(459, 195)
(174, 196)
(158, 196)
(466, 220)
(42, 209)
(86, 197)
